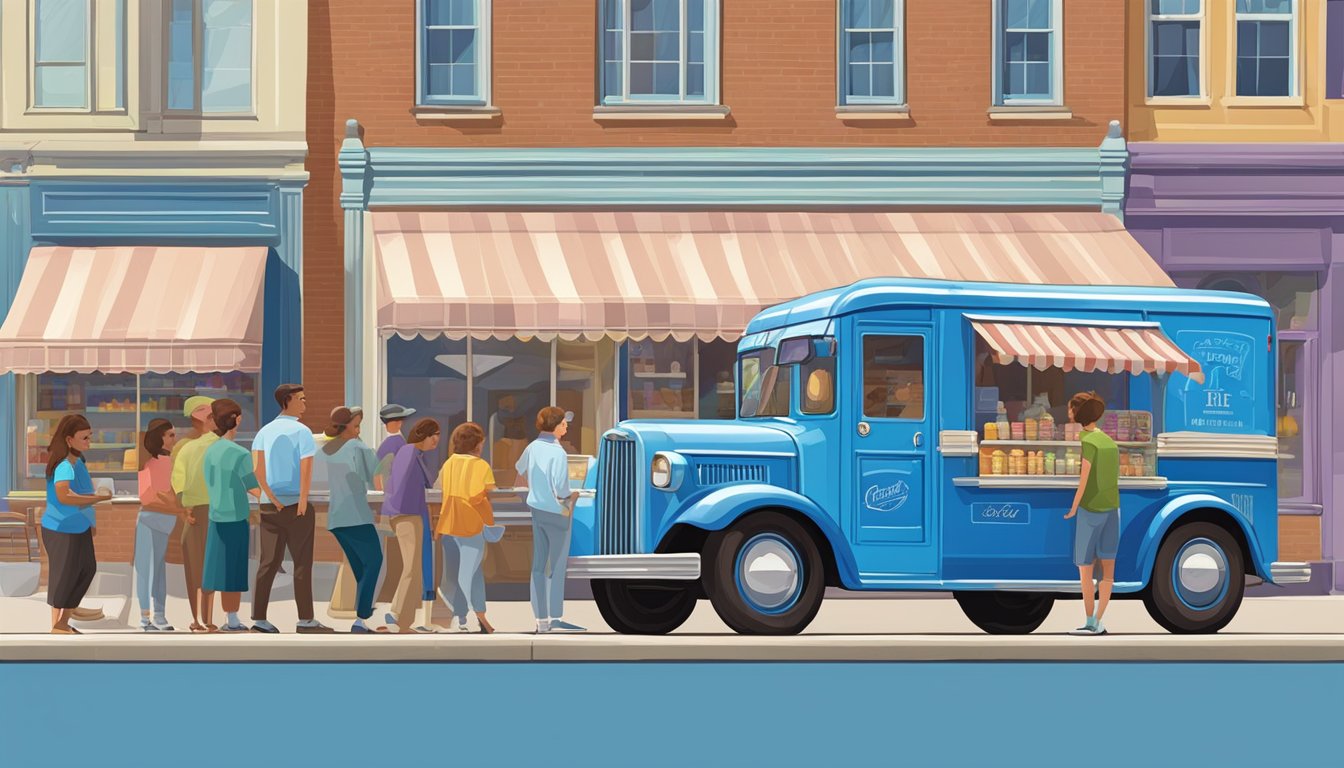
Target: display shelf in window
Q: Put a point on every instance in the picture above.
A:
(1054, 459)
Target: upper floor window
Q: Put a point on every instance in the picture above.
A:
(872, 52)
(1029, 44)
(454, 52)
(1175, 34)
(659, 51)
(78, 55)
(210, 56)
(1266, 30)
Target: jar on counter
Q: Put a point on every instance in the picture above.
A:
(1046, 427)
(1049, 463)
(998, 463)
(986, 463)
(1029, 431)
(991, 431)
(1061, 466)
(1019, 430)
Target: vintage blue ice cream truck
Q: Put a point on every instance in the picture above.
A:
(901, 434)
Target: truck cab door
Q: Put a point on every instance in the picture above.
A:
(891, 496)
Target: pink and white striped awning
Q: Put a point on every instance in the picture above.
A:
(684, 274)
(1083, 347)
(136, 310)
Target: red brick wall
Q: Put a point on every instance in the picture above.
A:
(778, 77)
(1299, 538)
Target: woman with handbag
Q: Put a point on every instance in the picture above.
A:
(466, 520)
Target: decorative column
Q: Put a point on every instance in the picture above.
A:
(353, 161)
(15, 240)
(1114, 163)
(1331, 461)
(282, 350)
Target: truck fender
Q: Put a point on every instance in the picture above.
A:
(722, 506)
(1171, 514)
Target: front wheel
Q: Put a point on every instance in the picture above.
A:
(1198, 580)
(764, 575)
(644, 607)
(1005, 613)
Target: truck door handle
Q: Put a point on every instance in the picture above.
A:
(919, 439)
(864, 429)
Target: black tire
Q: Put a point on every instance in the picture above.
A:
(1006, 613)
(644, 607)
(734, 605)
(1163, 599)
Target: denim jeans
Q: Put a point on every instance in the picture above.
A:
(151, 547)
(550, 556)
(464, 574)
(363, 547)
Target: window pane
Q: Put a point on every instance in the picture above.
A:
(667, 46)
(60, 85)
(893, 377)
(641, 46)
(818, 386)
(1015, 46)
(1246, 72)
(1264, 6)
(226, 66)
(1173, 38)
(438, 13)
(660, 383)
(715, 384)
(1274, 78)
(1038, 80)
(464, 80)
(1176, 76)
(860, 47)
(1038, 46)
(1247, 38)
(695, 80)
(583, 379)
(119, 54)
(696, 48)
(464, 46)
(858, 14)
(1015, 80)
(884, 14)
(1016, 14)
(641, 14)
(1294, 428)
(463, 12)
(884, 80)
(667, 15)
(62, 31)
(611, 80)
(667, 79)
(1293, 296)
(882, 48)
(695, 15)
(860, 80)
(440, 80)
(439, 46)
(511, 382)
(611, 46)
(641, 78)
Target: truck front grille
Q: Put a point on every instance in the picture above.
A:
(723, 473)
(618, 513)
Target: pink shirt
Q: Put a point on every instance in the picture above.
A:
(156, 478)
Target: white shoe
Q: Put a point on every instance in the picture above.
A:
(543, 627)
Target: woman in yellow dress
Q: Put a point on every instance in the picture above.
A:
(466, 521)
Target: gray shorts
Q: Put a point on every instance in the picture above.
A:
(1097, 536)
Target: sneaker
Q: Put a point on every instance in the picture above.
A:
(543, 626)
(390, 618)
(161, 624)
(239, 627)
(147, 626)
(314, 628)
(265, 627)
(1099, 629)
(462, 627)
(558, 625)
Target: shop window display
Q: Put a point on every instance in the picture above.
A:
(429, 375)
(662, 376)
(510, 382)
(119, 407)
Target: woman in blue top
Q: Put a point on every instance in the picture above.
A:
(68, 522)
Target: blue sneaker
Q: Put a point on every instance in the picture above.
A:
(161, 624)
(557, 625)
(265, 627)
(147, 626)
(239, 627)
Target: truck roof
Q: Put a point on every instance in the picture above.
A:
(901, 292)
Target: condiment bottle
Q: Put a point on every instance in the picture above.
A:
(1001, 422)
(991, 431)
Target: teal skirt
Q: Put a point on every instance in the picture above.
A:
(226, 557)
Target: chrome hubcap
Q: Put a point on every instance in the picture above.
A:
(1201, 573)
(768, 571)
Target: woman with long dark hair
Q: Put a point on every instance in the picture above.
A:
(68, 522)
(159, 513)
(405, 508)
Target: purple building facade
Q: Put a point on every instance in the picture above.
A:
(1268, 219)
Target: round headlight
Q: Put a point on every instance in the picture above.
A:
(660, 473)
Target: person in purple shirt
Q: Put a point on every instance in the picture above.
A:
(393, 417)
(408, 513)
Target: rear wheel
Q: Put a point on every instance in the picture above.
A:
(644, 607)
(1006, 613)
(1198, 580)
(764, 575)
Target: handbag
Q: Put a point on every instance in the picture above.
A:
(492, 533)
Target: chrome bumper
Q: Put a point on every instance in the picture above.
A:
(672, 567)
(1290, 573)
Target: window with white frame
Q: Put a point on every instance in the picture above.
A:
(78, 55)
(454, 52)
(659, 51)
(210, 56)
(871, 52)
(1266, 31)
(1175, 35)
(1029, 52)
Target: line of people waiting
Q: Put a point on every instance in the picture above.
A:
(208, 482)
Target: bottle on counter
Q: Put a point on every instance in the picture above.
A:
(1046, 427)
(1049, 465)
(991, 431)
(1001, 422)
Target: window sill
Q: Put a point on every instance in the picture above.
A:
(455, 114)
(656, 112)
(1281, 102)
(872, 112)
(1196, 102)
(1006, 113)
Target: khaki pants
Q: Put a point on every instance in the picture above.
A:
(409, 530)
(193, 553)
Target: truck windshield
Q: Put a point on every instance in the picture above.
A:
(764, 386)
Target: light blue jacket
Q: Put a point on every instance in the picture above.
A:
(545, 465)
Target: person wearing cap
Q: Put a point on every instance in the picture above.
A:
(188, 481)
(393, 417)
(282, 456)
(350, 467)
(544, 470)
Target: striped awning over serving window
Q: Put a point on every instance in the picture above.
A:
(684, 274)
(136, 310)
(1086, 348)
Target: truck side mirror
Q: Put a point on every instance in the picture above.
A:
(795, 351)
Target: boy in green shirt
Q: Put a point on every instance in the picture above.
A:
(1097, 536)
(229, 480)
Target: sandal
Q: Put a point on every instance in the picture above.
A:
(197, 628)
(65, 631)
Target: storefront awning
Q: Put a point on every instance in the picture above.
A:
(136, 310)
(637, 274)
(1086, 347)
